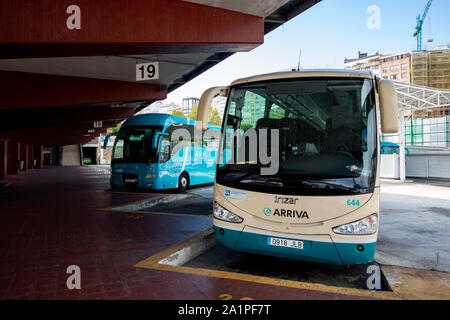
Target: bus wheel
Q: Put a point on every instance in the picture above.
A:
(183, 182)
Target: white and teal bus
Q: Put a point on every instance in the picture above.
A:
(315, 197)
(149, 153)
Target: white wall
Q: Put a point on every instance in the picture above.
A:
(428, 166)
(390, 166)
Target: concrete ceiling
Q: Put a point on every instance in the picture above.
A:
(255, 8)
(122, 68)
(175, 69)
(72, 77)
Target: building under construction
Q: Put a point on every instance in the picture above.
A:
(431, 68)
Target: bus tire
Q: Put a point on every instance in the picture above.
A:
(183, 182)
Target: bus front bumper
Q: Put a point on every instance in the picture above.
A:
(117, 181)
(326, 252)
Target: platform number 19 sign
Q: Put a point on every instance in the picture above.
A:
(147, 71)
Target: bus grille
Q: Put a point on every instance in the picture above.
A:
(129, 179)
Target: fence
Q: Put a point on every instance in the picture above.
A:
(431, 132)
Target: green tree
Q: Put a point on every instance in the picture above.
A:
(246, 126)
(117, 128)
(213, 117)
(178, 113)
(193, 114)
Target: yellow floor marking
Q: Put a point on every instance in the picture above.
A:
(152, 263)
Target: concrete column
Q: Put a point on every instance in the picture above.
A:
(13, 157)
(30, 157)
(3, 160)
(39, 156)
(23, 156)
(402, 144)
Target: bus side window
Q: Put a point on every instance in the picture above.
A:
(164, 154)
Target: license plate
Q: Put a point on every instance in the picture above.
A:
(130, 180)
(285, 243)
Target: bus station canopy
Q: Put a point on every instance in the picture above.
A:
(69, 72)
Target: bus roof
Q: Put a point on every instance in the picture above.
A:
(306, 73)
(159, 119)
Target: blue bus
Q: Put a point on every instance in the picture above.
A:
(147, 153)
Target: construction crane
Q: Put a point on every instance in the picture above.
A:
(420, 21)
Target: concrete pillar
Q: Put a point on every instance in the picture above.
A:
(39, 156)
(23, 156)
(402, 144)
(30, 157)
(13, 157)
(3, 160)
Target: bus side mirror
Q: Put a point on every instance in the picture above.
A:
(388, 106)
(205, 104)
(105, 143)
(155, 139)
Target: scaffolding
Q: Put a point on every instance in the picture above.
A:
(439, 69)
(419, 68)
(431, 68)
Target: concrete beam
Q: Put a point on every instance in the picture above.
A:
(29, 90)
(26, 135)
(12, 122)
(66, 139)
(35, 28)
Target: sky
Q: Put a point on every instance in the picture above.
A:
(326, 34)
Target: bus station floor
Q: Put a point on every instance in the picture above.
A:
(56, 217)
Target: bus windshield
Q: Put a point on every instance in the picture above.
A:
(326, 136)
(134, 145)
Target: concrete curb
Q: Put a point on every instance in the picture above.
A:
(149, 203)
(172, 258)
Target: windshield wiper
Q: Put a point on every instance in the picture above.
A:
(263, 179)
(329, 185)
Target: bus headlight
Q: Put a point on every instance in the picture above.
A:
(368, 225)
(225, 215)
